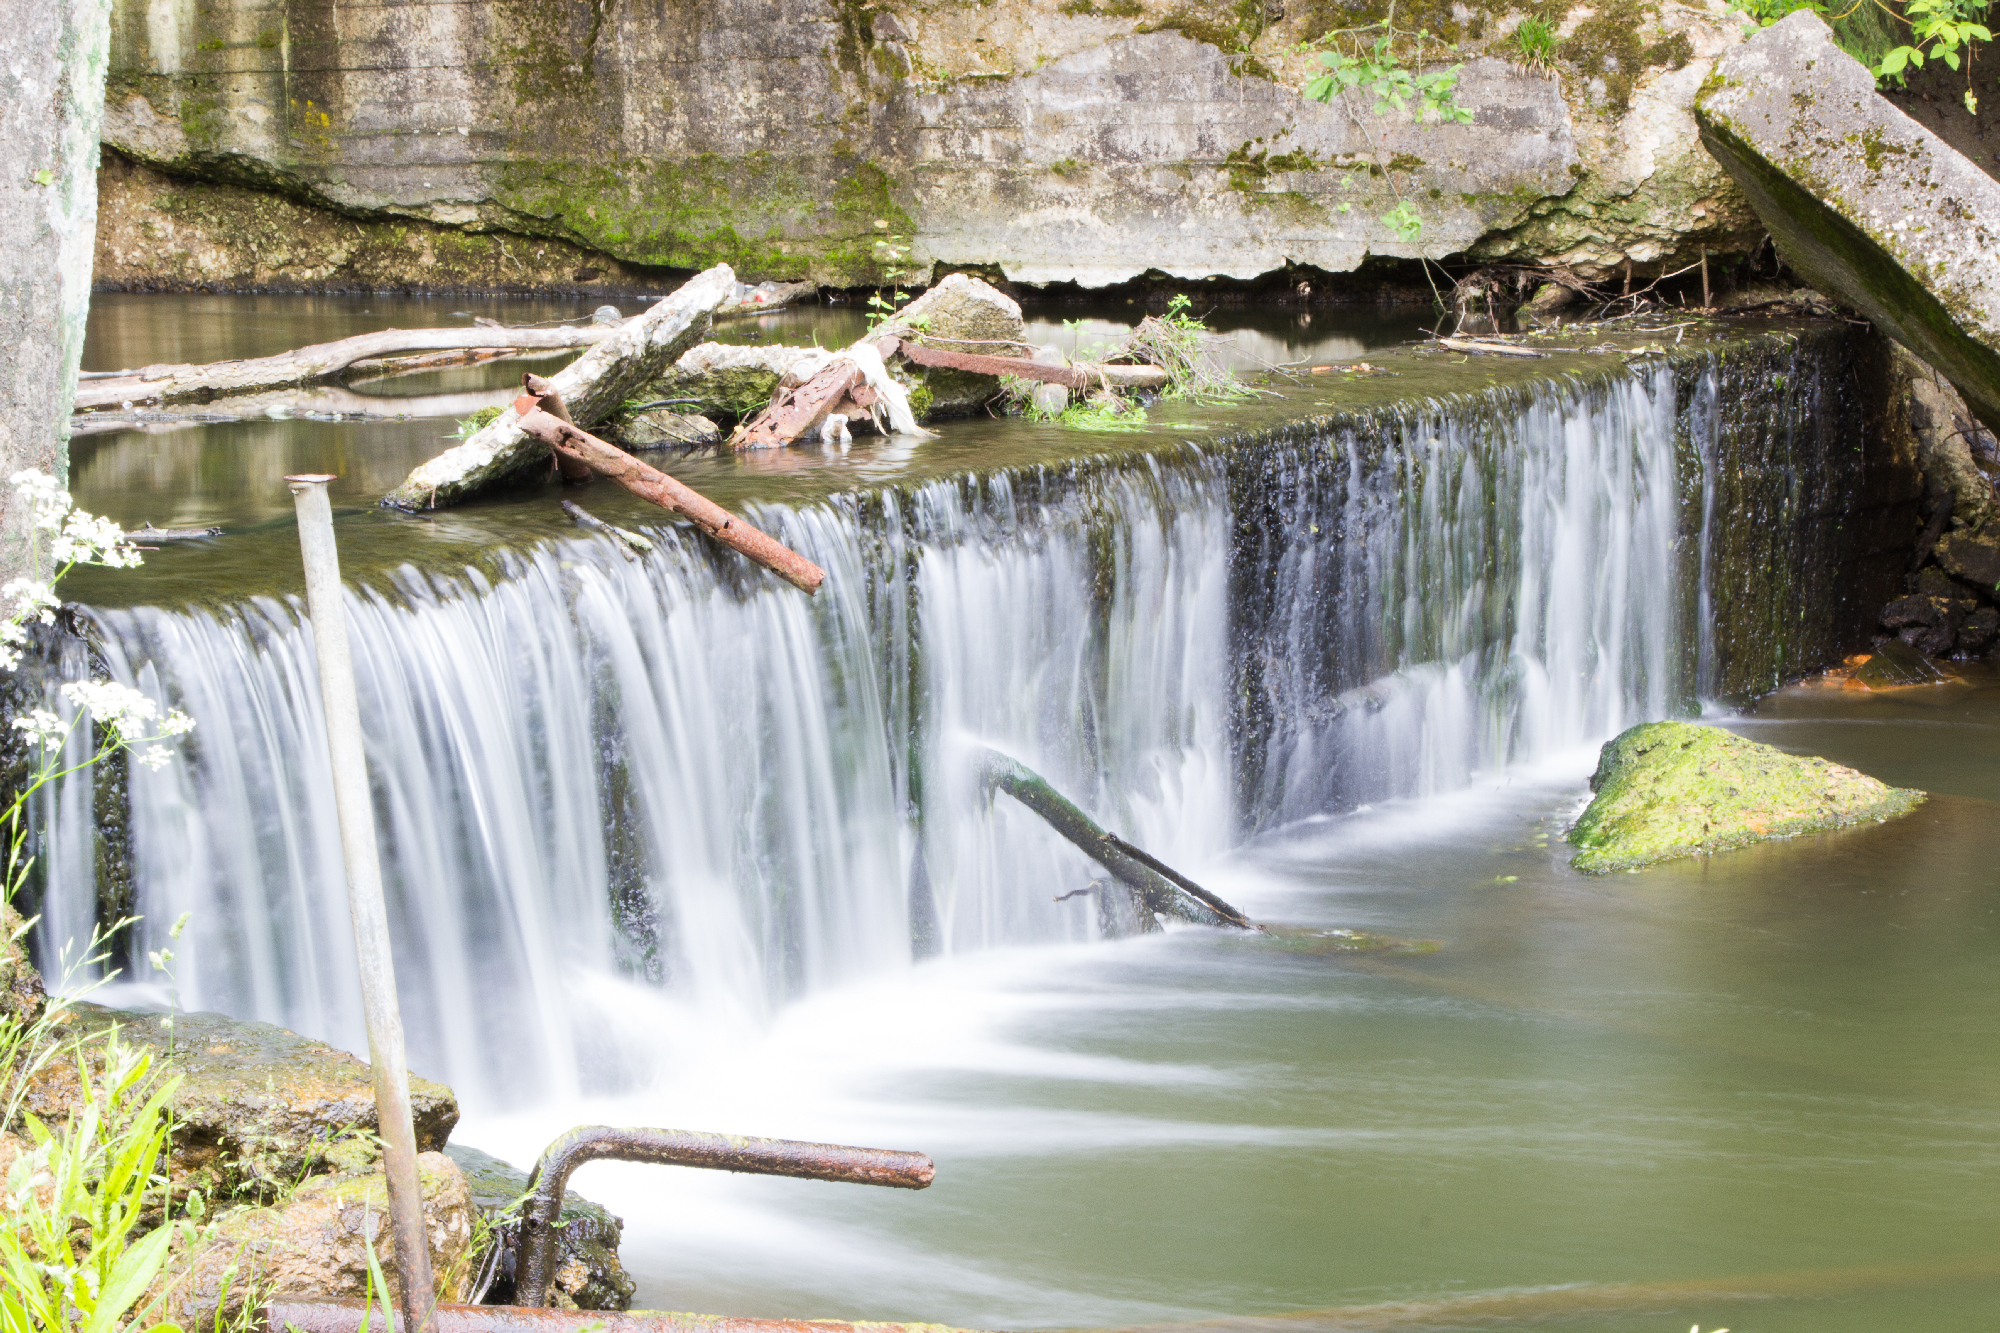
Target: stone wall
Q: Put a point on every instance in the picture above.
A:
(1050, 140)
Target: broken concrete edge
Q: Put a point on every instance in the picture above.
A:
(1655, 781)
(344, 1316)
(1786, 151)
(592, 386)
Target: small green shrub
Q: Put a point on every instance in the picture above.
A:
(1536, 41)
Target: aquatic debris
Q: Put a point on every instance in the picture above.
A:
(649, 483)
(1322, 940)
(1665, 790)
(1896, 664)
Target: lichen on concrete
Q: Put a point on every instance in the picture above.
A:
(1666, 790)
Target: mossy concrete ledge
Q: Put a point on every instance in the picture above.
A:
(1867, 204)
(1665, 790)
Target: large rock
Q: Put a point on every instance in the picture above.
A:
(314, 1244)
(258, 1108)
(866, 145)
(960, 314)
(592, 387)
(1671, 789)
(21, 996)
(588, 1274)
(1868, 205)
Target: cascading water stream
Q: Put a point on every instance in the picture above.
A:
(629, 809)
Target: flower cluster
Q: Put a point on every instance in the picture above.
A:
(78, 538)
(75, 538)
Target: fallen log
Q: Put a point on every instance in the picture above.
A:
(306, 365)
(651, 484)
(1168, 893)
(322, 402)
(585, 519)
(149, 533)
(1488, 349)
(380, 368)
(636, 353)
(1086, 375)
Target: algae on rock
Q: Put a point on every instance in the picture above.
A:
(1665, 790)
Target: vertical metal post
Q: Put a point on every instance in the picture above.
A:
(356, 810)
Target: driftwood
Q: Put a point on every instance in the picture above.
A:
(651, 484)
(585, 519)
(1161, 890)
(320, 402)
(800, 408)
(378, 368)
(305, 365)
(1488, 349)
(1085, 375)
(633, 355)
(149, 533)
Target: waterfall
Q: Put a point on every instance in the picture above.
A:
(628, 808)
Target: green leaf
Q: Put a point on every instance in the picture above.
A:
(130, 1277)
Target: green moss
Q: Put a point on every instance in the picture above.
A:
(1068, 167)
(1666, 790)
(764, 215)
(1112, 9)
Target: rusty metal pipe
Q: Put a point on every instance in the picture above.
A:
(679, 1147)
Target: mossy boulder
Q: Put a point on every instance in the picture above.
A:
(258, 1108)
(1671, 789)
(21, 997)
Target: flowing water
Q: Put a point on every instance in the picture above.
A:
(650, 830)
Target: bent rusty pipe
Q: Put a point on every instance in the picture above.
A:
(679, 1147)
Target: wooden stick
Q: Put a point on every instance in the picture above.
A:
(585, 519)
(1171, 893)
(320, 361)
(651, 484)
(1491, 349)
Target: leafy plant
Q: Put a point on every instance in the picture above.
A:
(1105, 412)
(68, 1260)
(1940, 30)
(1379, 70)
(1404, 220)
(477, 422)
(1536, 40)
(1180, 343)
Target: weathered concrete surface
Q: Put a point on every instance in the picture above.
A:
(960, 314)
(258, 1108)
(1865, 203)
(592, 386)
(53, 56)
(807, 138)
(1666, 790)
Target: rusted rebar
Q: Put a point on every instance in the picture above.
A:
(679, 1147)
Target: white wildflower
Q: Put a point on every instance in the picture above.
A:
(121, 708)
(156, 757)
(41, 727)
(30, 599)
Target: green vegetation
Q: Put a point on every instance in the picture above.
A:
(1536, 41)
(477, 422)
(1892, 41)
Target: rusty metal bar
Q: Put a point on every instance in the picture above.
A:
(344, 1316)
(679, 1147)
(998, 365)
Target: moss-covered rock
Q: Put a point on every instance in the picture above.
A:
(21, 996)
(258, 1108)
(1671, 789)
